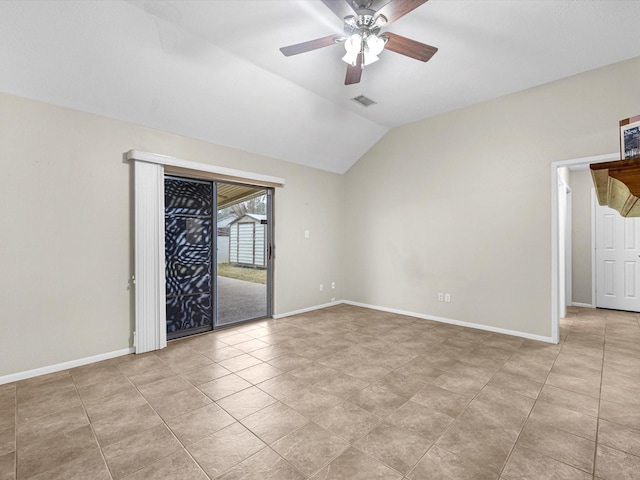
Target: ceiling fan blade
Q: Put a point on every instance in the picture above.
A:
(354, 72)
(310, 45)
(341, 8)
(396, 9)
(408, 47)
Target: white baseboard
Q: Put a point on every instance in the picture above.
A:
(305, 310)
(583, 305)
(460, 323)
(15, 377)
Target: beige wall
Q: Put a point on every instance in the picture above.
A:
(460, 203)
(581, 249)
(66, 248)
(479, 181)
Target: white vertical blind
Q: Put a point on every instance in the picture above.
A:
(151, 329)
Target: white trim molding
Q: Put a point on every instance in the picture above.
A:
(246, 177)
(305, 310)
(451, 321)
(15, 377)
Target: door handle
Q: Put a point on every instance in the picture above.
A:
(270, 251)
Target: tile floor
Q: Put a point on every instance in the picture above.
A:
(340, 393)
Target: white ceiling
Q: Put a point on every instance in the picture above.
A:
(212, 69)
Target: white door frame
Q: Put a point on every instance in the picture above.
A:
(555, 236)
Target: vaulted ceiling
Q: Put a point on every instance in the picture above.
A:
(212, 70)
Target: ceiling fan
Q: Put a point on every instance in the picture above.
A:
(362, 38)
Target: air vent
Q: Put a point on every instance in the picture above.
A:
(364, 101)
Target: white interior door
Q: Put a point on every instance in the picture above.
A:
(617, 260)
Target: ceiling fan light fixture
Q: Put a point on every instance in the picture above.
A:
(351, 58)
(351, 21)
(380, 21)
(373, 45)
(353, 44)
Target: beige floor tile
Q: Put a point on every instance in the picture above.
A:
(534, 372)
(613, 464)
(378, 400)
(139, 450)
(565, 419)
(584, 386)
(355, 465)
(220, 354)
(103, 388)
(246, 402)
(50, 398)
(164, 387)
(264, 465)
(626, 415)
(442, 401)
(223, 387)
(488, 449)
(310, 448)
(8, 466)
(439, 464)
(179, 466)
(49, 426)
(313, 372)
(114, 428)
(619, 437)
(403, 385)
(259, 373)
(461, 384)
(145, 377)
(180, 403)
(51, 452)
(421, 369)
(289, 362)
(311, 402)
(347, 420)
(205, 374)
(240, 362)
(274, 422)
(559, 445)
(522, 385)
(569, 400)
(7, 440)
(90, 466)
(114, 404)
(251, 345)
(224, 449)
(422, 420)
(527, 464)
(200, 423)
(284, 385)
(493, 419)
(506, 398)
(341, 385)
(399, 448)
(360, 375)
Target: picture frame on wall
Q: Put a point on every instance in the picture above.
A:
(630, 137)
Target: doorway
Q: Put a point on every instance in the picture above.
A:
(218, 254)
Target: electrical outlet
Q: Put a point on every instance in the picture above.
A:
(333, 299)
(306, 234)
(440, 297)
(447, 297)
(333, 284)
(321, 287)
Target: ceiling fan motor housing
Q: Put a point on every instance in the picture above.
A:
(365, 20)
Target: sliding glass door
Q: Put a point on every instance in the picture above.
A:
(216, 276)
